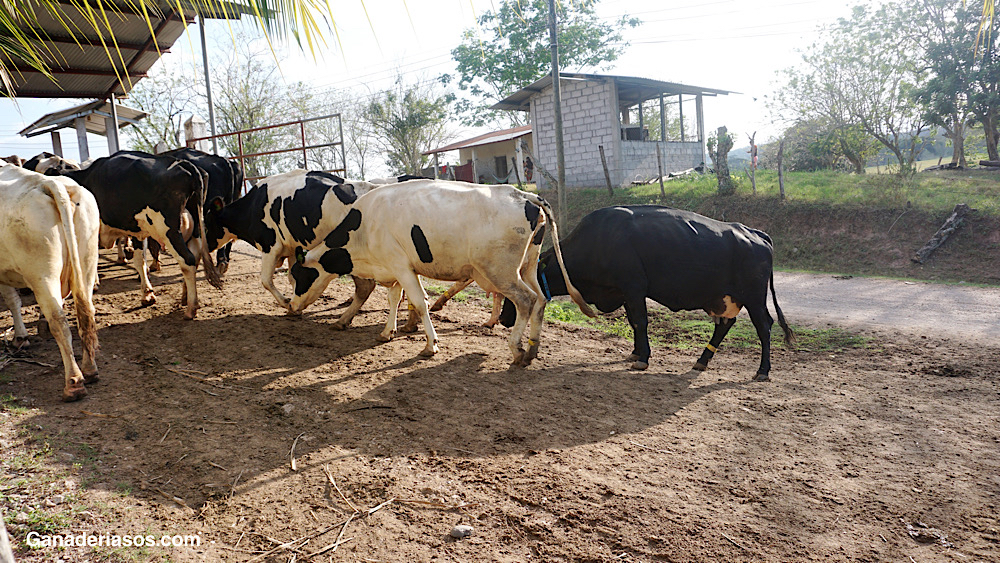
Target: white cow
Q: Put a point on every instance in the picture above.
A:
(49, 232)
(449, 231)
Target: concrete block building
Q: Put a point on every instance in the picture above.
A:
(604, 111)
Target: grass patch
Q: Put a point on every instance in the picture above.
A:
(10, 404)
(687, 330)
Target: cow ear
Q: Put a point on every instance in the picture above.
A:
(216, 204)
(300, 255)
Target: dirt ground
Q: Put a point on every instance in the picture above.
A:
(885, 454)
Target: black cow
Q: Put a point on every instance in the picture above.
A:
(144, 195)
(225, 181)
(622, 255)
(49, 164)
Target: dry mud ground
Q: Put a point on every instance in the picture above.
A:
(886, 454)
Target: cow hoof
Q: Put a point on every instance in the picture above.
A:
(71, 394)
(761, 377)
(532, 353)
(21, 342)
(190, 315)
(489, 324)
(698, 366)
(632, 357)
(639, 365)
(222, 267)
(436, 307)
(408, 328)
(382, 337)
(92, 378)
(339, 326)
(148, 299)
(154, 267)
(428, 352)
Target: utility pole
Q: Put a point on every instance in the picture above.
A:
(208, 84)
(557, 103)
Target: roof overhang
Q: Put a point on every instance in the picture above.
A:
(631, 90)
(81, 62)
(94, 114)
(485, 139)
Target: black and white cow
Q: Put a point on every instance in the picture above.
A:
(397, 179)
(441, 230)
(50, 164)
(225, 181)
(622, 255)
(49, 230)
(143, 195)
(281, 213)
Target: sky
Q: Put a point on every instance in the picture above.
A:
(731, 45)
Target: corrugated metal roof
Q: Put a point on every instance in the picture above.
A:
(631, 90)
(94, 114)
(80, 63)
(485, 139)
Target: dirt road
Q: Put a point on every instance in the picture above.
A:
(916, 308)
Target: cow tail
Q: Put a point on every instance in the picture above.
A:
(86, 323)
(211, 273)
(789, 334)
(573, 292)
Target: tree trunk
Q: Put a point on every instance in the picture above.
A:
(950, 226)
(958, 142)
(720, 158)
(781, 168)
(990, 128)
(856, 161)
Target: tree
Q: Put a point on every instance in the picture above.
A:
(166, 96)
(510, 49)
(719, 145)
(408, 120)
(863, 75)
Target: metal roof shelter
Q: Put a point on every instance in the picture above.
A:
(92, 117)
(631, 90)
(79, 62)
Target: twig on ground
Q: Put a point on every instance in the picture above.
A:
(341, 493)
(291, 452)
(99, 415)
(217, 466)
(333, 546)
(178, 500)
(221, 422)
(165, 434)
(734, 542)
(232, 490)
(35, 362)
(649, 448)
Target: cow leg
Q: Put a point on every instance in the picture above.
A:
(638, 318)
(762, 321)
(13, 300)
(139, 263)
(362, 290)
(452, 291)
(523, 299)
(395, 295)
(120, 246)
(49, 302)
(497, 307)
(722, 326)
(185, 254)
(415, 292)
(412, 319)
(154, 253)
(268, 264)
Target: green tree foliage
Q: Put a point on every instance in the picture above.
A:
(510, 49)
(408, 120)
(864, 75)
(817, 145)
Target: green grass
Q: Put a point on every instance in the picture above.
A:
(9, 404)
(691, 330)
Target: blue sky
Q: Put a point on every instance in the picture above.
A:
(679, 41)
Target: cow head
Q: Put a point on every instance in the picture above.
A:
(50, 164)
(312, 272)
(215, 231)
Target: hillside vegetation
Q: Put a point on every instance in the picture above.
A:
(844, 223)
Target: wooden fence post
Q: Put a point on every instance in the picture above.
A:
(604, 164)
(659, 167)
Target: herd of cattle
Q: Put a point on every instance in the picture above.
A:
(55, 214)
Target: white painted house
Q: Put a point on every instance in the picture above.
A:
(601, 111)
